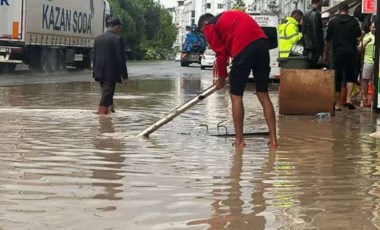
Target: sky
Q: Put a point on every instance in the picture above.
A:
(168, 3)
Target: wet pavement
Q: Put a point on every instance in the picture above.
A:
(64, 167)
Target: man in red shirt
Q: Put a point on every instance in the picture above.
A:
(236, 34)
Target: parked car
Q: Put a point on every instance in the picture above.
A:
(178, 56)
(208, 59)
(269, 23)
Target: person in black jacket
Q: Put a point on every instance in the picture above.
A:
(110, 65)
(312, 31)
(343, 31)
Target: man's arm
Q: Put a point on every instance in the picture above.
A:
(327, 43)
(358, 31)
(94, 60)
(366, 41)
(318, 33)
(326, 52)
(121, 59)
(219, 48)
(294, 35)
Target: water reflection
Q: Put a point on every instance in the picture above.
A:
(235, 212)
(109, 152)
(65, 167)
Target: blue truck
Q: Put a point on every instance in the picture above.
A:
(193, 47)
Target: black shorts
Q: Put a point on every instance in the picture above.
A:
(255, 58)
(345, 64)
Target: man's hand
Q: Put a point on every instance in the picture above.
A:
(220, 83)
(326, 59)
(124, 79)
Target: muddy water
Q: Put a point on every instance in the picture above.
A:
(63, 167)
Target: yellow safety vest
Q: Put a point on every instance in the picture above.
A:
(288, 36)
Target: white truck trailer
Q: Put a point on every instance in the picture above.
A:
(48, 35)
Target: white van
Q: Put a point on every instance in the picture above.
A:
(269, 23)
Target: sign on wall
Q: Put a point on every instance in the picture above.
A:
(369, 6)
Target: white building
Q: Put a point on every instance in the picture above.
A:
(187, 12)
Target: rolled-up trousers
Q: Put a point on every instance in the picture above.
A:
(108, 90)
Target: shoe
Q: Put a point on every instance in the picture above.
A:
(350, 106)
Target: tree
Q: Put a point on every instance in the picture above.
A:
(148, 29)
(239, 5)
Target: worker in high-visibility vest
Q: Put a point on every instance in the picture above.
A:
(289, 33)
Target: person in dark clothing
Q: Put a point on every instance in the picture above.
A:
(110, 65)
(343, 31)
(236, 34)
(312, 31)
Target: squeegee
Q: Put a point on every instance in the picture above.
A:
(177, 111)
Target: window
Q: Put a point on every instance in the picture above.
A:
(208, 5)
(220, 6)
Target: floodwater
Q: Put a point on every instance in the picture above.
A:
(63, 167)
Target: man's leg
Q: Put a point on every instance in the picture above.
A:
(108, 90)
(261, 71)
(349, 86)
(364, 89)
(102, 110)
(339, 71)
(270, 116)
(365, 81)
(238, 118)
(313, 60)
(349, 66)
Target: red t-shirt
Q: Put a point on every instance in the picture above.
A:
(233, 31)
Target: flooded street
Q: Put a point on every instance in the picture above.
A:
(63, 167)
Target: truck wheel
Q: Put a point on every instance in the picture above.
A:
(7, 68)
(52, 60)
(87, 63)
(44, 62)
(184, 64)
(61, 65)
(79, 65)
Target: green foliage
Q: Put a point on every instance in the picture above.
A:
(148, 29)
(239, 5)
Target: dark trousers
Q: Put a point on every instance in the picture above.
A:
(313, 60)
(345, 65)
(108, 90)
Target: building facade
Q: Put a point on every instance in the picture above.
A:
(187, 12)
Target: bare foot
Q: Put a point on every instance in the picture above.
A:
(272, 144)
